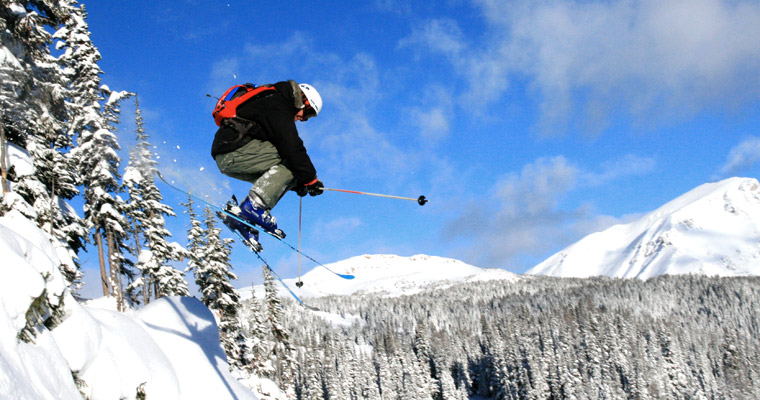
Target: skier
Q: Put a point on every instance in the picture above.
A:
(260, 145)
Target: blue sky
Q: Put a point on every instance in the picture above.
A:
(527, 124)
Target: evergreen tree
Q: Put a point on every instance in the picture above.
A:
(421, 347)
(90, 121)
(31, 92)
(214, 276)
(312, 380)
(333, 383)
(98, 166)
(283, 351)
(257, 338)
(74, 39)
(148, 211)
(31, 85)
(195, 240)
(33, 102)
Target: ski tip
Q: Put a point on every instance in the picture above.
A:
(310, 308)
(346, 276)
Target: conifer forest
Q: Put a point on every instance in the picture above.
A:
(672, 337)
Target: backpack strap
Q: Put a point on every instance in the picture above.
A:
(227, 105)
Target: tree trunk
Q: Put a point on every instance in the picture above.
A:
(145, 285)
(3, 157)
(52, 205)
(101, 259)
(115, 270)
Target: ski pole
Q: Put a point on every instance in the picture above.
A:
(420, 200)
(300, 212)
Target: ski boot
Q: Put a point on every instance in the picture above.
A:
(258, 215)
(249, 235)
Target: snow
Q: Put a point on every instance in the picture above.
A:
(713, 229)
(342, 320)
(28, 371)
(170, 348)
(386, 275)
(19, 159)
(7, 58)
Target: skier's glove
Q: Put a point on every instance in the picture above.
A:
(314, 188)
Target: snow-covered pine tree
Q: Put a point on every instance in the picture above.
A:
(195, 239)
(447, 388)
(30, 82)
(146, 210)
(421, 347)
(149, 212)
(33, 99)
(214, 276)
(366, 378)
(334, 386)
(385, 381)
(283, 351)
(311, 378)
(257, 337)
(79, 62)
(30, 87)
(140, 164)
(97, 164)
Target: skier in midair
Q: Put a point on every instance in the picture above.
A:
(258, 142)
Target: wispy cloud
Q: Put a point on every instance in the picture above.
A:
(742, 157)
(588, 62)
(433, 114)
(629, 164)
(524, 216)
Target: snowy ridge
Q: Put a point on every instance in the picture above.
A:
(387, 275)
(713, 229)
(169, 349)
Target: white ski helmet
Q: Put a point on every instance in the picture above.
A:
(315, 100)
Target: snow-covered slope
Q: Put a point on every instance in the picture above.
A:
(387, 275)
(713, 230)
(170, 349)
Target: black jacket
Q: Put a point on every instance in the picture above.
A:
(273, 122)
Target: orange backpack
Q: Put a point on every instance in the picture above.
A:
(227, 105)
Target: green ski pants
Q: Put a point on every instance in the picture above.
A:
(258, 163)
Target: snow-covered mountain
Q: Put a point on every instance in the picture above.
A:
(387, 275)
(712, 230)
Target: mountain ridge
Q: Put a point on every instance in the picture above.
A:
(713, 229)
(386, 275)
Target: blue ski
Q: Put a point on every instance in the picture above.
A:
(217, 208)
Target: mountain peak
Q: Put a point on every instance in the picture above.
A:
(713, 229)
(388, 275)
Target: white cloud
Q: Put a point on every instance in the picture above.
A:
(653, 61)
(522, 217)
(437, 35)
(537, 189)
(629, 164)
(432, 116)
(525, 216)
(743, 156)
